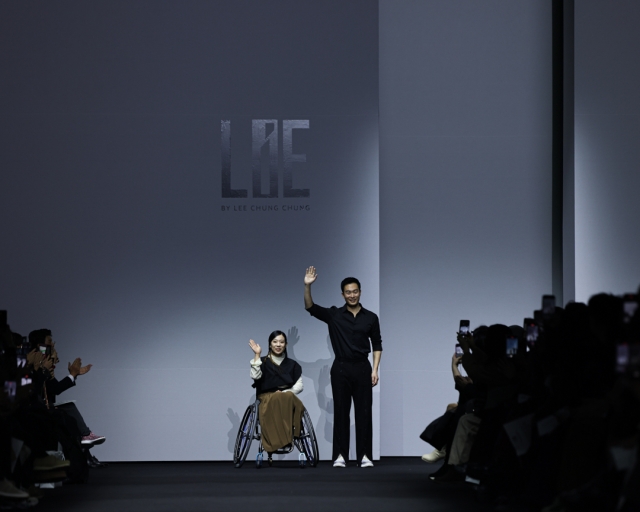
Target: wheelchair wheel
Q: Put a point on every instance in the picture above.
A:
(307, 442)
(246, 434)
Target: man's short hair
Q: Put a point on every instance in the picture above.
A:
(349, 280)
(37, 337)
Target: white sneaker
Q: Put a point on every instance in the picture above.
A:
(434, 456)
(366, 463)
(339, 462)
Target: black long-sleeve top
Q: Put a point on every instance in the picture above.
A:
(350, 334)
(54, 387)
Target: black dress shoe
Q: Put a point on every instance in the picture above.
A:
(450, 474)
(95, 463)
(443, 470)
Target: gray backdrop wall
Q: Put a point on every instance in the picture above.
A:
(465, 175)
(607, 153)
(114, 118)
(169, 171)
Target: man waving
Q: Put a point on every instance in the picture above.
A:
(354, 331)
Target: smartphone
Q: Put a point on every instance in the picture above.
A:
(548, 305)
(532, 331)
(21, 356)
(459, 351)
(622, 358)
(538, 316)
(628, 360)
(464, 327)
(512, 346)
(10, 389)
(630, 306)
(633, 368)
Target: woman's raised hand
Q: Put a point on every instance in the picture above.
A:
(255, 347)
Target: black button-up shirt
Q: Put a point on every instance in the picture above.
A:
(350, 334)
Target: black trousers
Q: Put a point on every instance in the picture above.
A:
(71, 410)
(352, 380)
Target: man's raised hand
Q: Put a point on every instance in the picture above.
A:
(310, 275)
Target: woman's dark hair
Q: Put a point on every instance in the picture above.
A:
(272, 336)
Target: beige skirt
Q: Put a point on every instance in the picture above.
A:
(280, 419)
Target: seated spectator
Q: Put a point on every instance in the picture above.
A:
(446, 424)
(43, 340)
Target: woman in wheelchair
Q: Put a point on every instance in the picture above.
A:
(277, 380)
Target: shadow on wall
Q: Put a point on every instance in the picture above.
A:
(319, 372)
(234, 418)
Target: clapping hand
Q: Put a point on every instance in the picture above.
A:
(47, 363)
(74, 368)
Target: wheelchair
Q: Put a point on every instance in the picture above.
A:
(306, 442)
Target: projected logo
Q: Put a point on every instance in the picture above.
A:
(266, 171)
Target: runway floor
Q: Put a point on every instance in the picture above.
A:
(394, 484)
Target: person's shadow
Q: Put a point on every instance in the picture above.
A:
(235, 419)
(319, 372)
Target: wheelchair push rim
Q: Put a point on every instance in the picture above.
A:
(245, 436)
(307, 442)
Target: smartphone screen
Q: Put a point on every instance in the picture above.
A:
(512, 346)
(459, 351)
(531, 330)
(630, 306)
(10, 389)
(622, 358)
(21, 355)
(464, 327)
